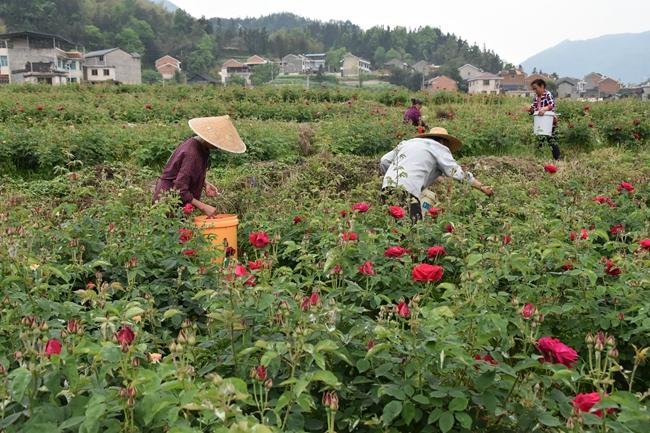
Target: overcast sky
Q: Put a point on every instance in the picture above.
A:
(513, 28)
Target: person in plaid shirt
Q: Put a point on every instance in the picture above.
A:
(542, 103)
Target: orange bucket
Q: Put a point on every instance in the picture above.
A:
(221, 230)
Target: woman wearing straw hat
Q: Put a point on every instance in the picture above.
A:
(186, 169)
(416, 163)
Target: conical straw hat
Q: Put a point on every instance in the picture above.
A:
(219, 132)
(451, 142)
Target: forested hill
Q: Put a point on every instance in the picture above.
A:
(147, 28)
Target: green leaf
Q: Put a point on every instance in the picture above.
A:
(363, 365)
(391, 411)
(132, 312)
(434, 415)
(326, 346)
(10, 419)
(268, 357)
(422, 399)
(446, 422)
(325, 376)
(484, 380)
(19, 380)
(301, 386)
(458, 404)
(408, 412)
(464, 419)
(472, 259)
(171, 313)
(71, 422)
(548, 420)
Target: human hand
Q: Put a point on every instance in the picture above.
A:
(208, 210)
(211, 190)
(487, 190)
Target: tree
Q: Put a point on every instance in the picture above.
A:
(334, 58)
(265, 73)
(150, 76)
(409, 79)
(236, 80)
(380, 56)
(393, 54)
(202, 57)
(128, 40)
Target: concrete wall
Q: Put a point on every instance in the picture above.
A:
(292, 65)
(566, 90)
(88, 74)
(128, 69)
(478, 86)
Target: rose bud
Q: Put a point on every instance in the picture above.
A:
(131, 391)
(182, 338)
(186, 323)
(613, 353)
(123, 392)
(611, 341)
(135, 362)
(268, 384)
(130, 402)
(191, 340)
(73, 326)
(589, 339)
(3, 370)
(43, 326)
(18, 355)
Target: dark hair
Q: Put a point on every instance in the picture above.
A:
(539, 82)
(415, 101)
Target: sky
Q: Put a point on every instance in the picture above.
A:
(514, 29)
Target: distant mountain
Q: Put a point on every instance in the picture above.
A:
(625, 57)
(167, 5)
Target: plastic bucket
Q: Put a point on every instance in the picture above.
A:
(221, 230)
(543, 125)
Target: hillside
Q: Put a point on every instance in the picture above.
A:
(625, 57)
(167, 5)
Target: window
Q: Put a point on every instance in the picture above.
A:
(101, 58)
(3, 44)
(486, 82)
(107, 72)
(4, 61)
(72, 66)
(94, 72)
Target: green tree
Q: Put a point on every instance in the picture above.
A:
(263, 74)
(202, 58)
(236, 80)
(380, 56)
(151, 76)
(393, 54)
(128, 40)
(334, 58)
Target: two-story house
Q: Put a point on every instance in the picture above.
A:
(168, 67)
(316, 61)
(484, 83)
(294, 64)
(468, 71)
(441, 83)
(353, 66)
(112, 65)
(32, 57)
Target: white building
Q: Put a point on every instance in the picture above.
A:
(112, 65)
(353, 66)
(484, 83)
(468, 71)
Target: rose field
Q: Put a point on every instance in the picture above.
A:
(525, 312)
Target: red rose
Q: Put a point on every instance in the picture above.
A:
(486, 358)
(585, 402)
(550, 168)
(626, 186)
(344, 213)
(297, 220)
(645, 244)
(612, 270)
(436, 251)
(449, 228)
(258, 239)
(184, 235)
(427, 273)
(241, 271)
(507, 239)
(567, 266)
(371, 344)
(586, 108)
(349, 236)
(403, 309)
(53, 347)
(617, 229)
(396, 212)
(572, 236)
(602, 200)
(584, 234)
(528, 311)
(188, 209)
(230, 251)
(554, 351)
(188, 252)
(361, 207)
(366, 269)
(39, 108)
(125, 336)
(256, 265)
(591, 125)
(313, 299)
(434, 211)
(304, 304)
(337, 269)
(396, 252)
(261, 373)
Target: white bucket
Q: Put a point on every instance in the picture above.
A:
(543, 125)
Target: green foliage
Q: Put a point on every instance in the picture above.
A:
(151, 76)
(265, 73)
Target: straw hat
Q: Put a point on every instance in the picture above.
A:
(219, 132)
(451, 142)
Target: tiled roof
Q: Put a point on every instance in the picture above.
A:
(232, 63)
(167, 59)
(99, 52)
(256, 60)
(484, 76)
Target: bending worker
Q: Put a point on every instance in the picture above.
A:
(185, 171)
(415, 164)
(413, 115)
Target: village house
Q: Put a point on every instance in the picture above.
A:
(484, 83)
(441, 83)
(424, 68)
(353, 66)
(168, 67)
(396, 64)
(468, 71)
(315, 62)
(294, 64)
(514, 82)
(195, 78)
(112, 65)
(256, 60)
(567, 87)
(234, 67)
(32, 57)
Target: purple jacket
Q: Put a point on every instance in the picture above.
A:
(412, 116)
(185, 171)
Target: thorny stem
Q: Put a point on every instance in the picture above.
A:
(505, 402)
